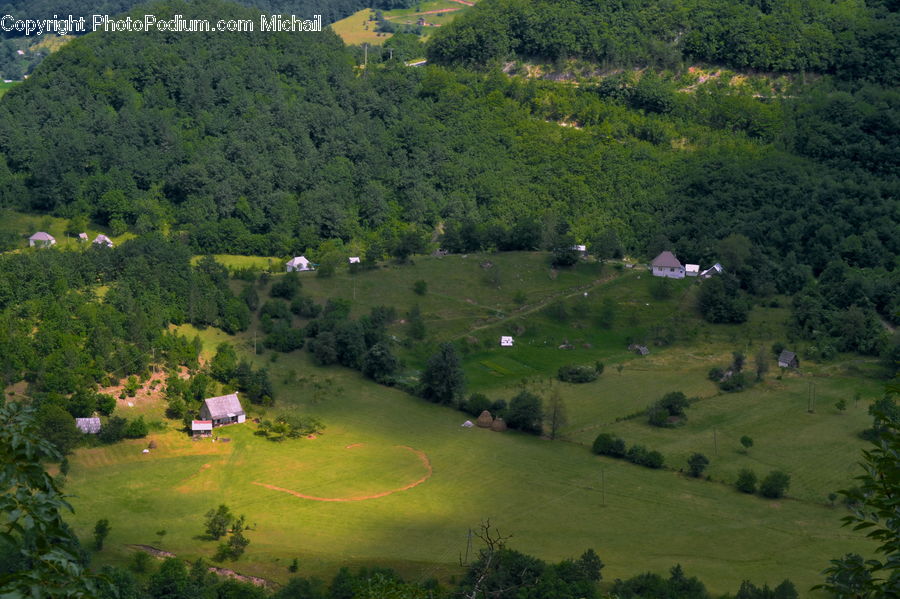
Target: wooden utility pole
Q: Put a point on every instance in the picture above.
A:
(716, 441)
(603, 485)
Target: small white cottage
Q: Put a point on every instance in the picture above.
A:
(715, 269)
(41, 240)
(102, 240)
(298, 264)
(692, 270)
(506, 341)
(353, 259)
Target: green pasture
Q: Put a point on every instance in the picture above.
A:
(24, 225)
(5, 87)
(358, 29)
(547, 494)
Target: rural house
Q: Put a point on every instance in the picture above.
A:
(581, 249)
(82, 237)
(222, 410)
(298, 264)
(506, 341)
(103, 241)
(667, 265)
(715, 269)
(41, 240)
(788, 359)
(201, 428)
(88, 426)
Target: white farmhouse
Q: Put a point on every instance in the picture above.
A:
(41, 240)
(298, 264)
(667, 265)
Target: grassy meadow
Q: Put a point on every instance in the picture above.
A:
(358, 28)
(5, 87)
(554, 497)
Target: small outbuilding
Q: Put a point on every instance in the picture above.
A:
(485, 420)
(581, 249)
(353, 259)
(641, 350)
(298, 264)
(691, 270)
(41, 240)
(201, 428)
(667, 265)
(222, 410)
(467, 424)
(788, 359)
(103, 241)
(715, 269)
(88, 426)
(506, 341)
(82, 237)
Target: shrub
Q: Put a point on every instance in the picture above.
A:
(286, 287)
(420, 287)
(734, 383)
(305, 307)
(715, 374)
(775, 485)
(697, 463)
(572, 373)
(610, 445)
(525, 413)
(477, 403)
(136, 429)
(746, 481)
(640, 455)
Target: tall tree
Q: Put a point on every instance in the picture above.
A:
(443, 380)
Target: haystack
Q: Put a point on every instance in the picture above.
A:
(485, 420)
(152, 445)
(499, 425)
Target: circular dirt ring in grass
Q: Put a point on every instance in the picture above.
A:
(422, 459)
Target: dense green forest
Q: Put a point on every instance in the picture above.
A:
(272, 145)
(855, 39)
(14, 66)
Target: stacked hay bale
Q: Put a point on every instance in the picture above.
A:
(499, 425)
(485, 420)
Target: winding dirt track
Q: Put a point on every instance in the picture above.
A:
(420, 454)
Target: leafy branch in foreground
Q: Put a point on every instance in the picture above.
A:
(875, 508)
(33, 534)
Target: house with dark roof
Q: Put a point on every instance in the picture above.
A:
(88, 426)
(667, 265)
(41, 240)
(222, 410)
(788, 359)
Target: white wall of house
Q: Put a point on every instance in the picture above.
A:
(670, 272)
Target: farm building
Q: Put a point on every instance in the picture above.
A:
(82, 237)
(641, 350)
(506, 341)
(667, 265)
(41, 240)
(103, 241)
(692, 270)
(788, 359)
(222, 410)
(201, 428)
(715, 269)
(89, 426)
(298, 264)
(581, 249)
(353, 259)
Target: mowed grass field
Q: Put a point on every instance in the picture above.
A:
(388, 504)
(5, 87)
(547, 494)
(358, 29)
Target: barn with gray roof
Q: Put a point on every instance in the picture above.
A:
(222, 410)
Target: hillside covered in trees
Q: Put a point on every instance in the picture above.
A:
(853, 39)
(272, 144)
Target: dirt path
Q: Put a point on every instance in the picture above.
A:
(416, 15)
(529, 309)
(420, 454)
(466, 2)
